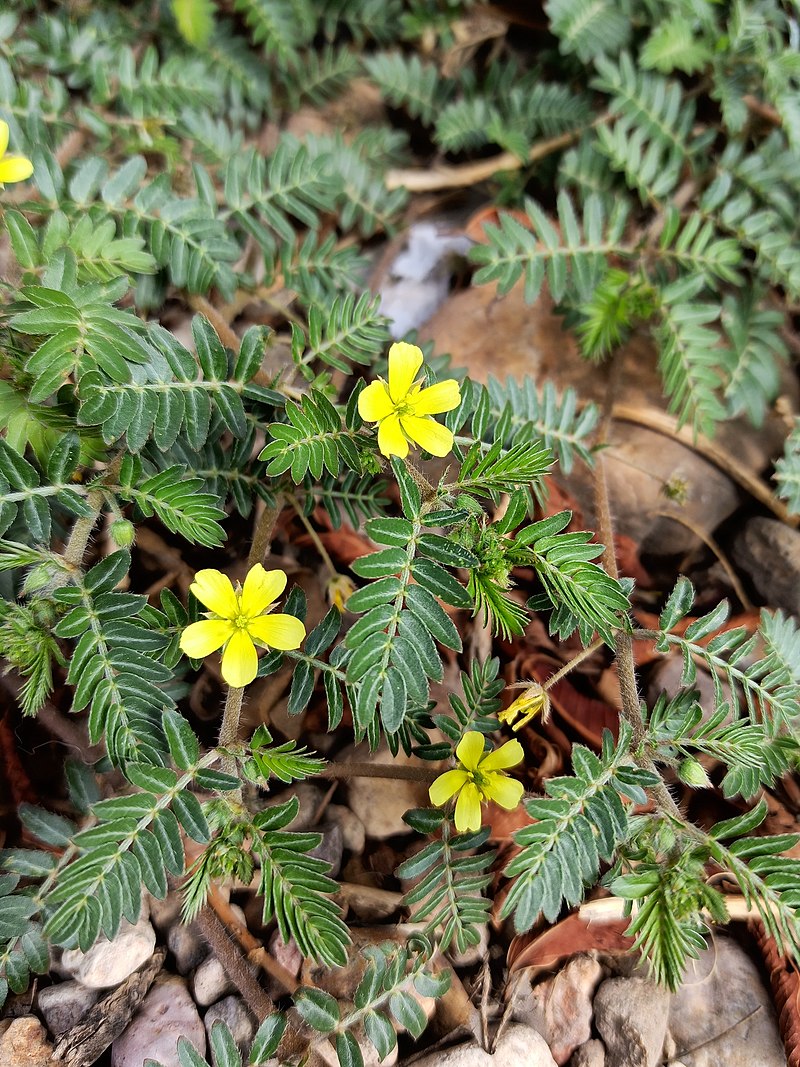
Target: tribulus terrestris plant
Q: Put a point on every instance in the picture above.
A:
(670, 134)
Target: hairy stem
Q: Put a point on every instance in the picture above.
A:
(630, 710)
(263, 532)
(229, 730)
(570, 665)
(377, 770)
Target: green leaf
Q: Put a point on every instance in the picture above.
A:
(408, 1012)
(348, 1051)
(267, 1039)
(319, 1009)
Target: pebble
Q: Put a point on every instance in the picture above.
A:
(331, 847)
(64, 1005)
(722, 1014)
(630, 1014)
(353, 833)
(560, 1008)
(167, 1013)
(25, 1044)
(769, 552)
(107, 963)
(210, 982)
(240, 1022)
(590, 1054)
(380, 803)
(187, 946)
(519, 1046)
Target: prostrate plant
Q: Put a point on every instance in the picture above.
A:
(110, 418)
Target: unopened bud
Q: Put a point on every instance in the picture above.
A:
(692, 772)
(123, 533)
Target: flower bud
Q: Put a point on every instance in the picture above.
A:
(692, 772)
(123, 533)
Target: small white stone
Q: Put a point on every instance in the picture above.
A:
(107, 963)
(167, 1013)
(519, 1046)
(210, 982)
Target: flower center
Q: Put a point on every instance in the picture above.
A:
(241, 622)
(479, 779)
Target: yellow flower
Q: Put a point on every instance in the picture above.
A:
(238, 620)
(532, 701)
(12, 168)
(403, 409)
(339, 590)
(480, 777)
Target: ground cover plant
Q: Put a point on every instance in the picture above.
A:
(644, 159)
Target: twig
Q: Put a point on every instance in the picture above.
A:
(708, 540)
(660, 422)
(571, 664)
(430, 179)
(254, 949)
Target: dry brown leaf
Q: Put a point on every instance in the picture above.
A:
(785, 983)
(567, 938)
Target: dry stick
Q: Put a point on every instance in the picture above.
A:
(710, 542)
(660, 422)
(434, 178)
(254, 949)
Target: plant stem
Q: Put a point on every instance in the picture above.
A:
(571, 664)
(377, 770)
(263, 532)
(229, 730)
(312, 533)
(630, 710)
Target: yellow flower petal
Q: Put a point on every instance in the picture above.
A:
(468, 809)
(444, 396)
(374, 402)
(202, 638)
(15, 169)
(507, 792)
(4, 133)
(404, 362)
(430, 435)
(470, 750)
(447, 785)
(214, 589)
(508, 755)
(391, 439)
(239, 660)
(260, 589)
(277, 631)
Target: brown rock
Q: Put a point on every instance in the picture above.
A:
(560, 1008)
(25, 1044)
